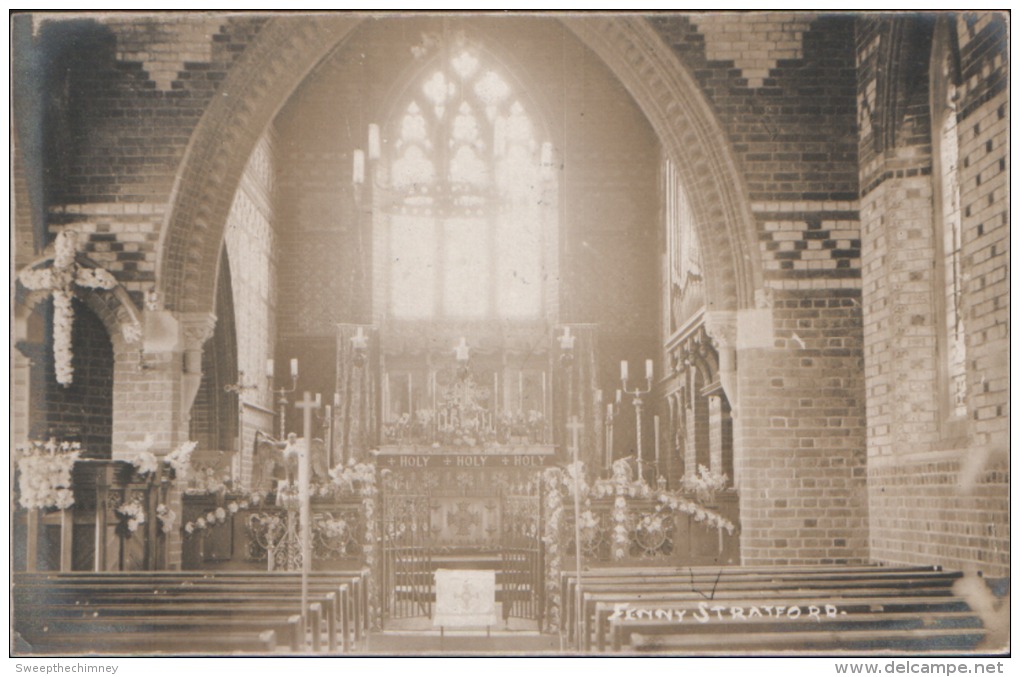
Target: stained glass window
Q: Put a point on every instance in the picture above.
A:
(465, 219)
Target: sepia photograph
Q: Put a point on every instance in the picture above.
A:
(510, 334)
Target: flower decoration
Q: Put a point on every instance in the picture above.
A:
(132, 515)
(44, 469)
(167, 518)
(145, 462)
(704, 483)
(60, 279)
(180, 460)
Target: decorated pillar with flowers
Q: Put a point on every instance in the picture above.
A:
(354, 407)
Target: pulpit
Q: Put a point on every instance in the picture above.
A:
(97, 533)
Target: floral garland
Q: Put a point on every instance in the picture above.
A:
(704, 483)
(45, 474)
(219, 515)
(361, 477)
(553, 478)
(59, 279)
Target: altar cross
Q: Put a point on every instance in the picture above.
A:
(307, 404)
(575, 427)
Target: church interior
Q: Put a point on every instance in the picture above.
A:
(447, 333)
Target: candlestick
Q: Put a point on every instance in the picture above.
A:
(463, 351)
(374, 142)
(658, 471)
(359, 167)
(637, 393)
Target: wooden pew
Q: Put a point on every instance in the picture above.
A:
(94, 601)
(708, 582)
(146, 643)
(604, 605)
(354, 623)
(35, 631)
(621, 630)
(913, 641)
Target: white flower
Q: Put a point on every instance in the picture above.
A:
(132, 332)
(221, 514)
(200, 523)
(95, 278)
(232, 507)
(133, 513)
(145, 462)
(36, 278)
(189, 528)
(65, 248)
(63, 317)
(167, 518)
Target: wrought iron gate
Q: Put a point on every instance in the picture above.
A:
(522, 580)
(406, 556)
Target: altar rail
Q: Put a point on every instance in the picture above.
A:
(243, 538)
(654, 536)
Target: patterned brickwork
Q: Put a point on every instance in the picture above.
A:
(755, 43)
(794, 134)
(937, 486)
(809, 241)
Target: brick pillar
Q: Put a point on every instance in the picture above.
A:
(715, 430)
(154, 388)
(799, 433)
(20, 397)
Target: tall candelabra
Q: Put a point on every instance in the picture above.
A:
(637, 394)
(282, 392)
(612, 411)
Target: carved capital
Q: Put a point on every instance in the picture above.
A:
(721, 327)
(196, 329)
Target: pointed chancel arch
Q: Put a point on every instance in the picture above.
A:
(287, 49)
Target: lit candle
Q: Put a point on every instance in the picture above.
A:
(598, 396)
(269, 368)
(648, 369)
(318, 400)
(463, 352)
(623, 370)
(374, 142)
(293, 367)
(547, 154)
(619, 395)
(336, 400)
(359, 166)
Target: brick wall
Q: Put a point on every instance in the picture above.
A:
(126, 94)
(802, 435)
(81, 411)
(937, 484)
